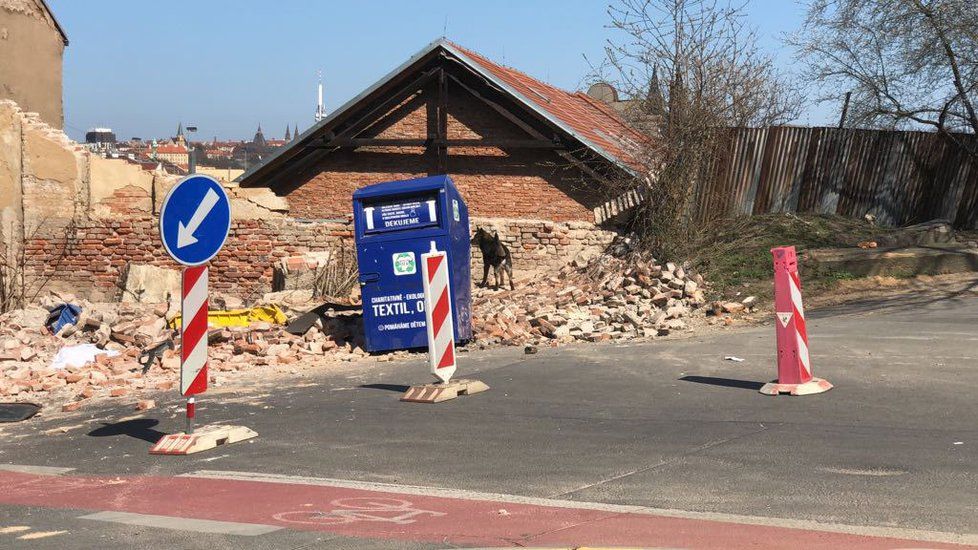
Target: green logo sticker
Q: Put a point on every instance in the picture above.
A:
(404, 264)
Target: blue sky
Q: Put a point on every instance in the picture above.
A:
(228, 65)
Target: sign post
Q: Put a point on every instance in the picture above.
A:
(195, 219)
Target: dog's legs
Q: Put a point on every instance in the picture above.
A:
(509, 271)
(497, 272)
(485, 275)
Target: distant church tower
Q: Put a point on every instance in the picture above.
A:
(259, 138)
(288, 133)
(295, 134)
(320, 109)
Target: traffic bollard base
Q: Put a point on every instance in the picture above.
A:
(815, 385)
(204, 438)
(436, 393)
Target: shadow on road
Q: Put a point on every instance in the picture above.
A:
(140, 428)
(725, 382)
(902, 299)
(389, 387)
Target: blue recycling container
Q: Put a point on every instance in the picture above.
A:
(395, 223)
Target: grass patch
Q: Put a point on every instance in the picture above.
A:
(735, 255)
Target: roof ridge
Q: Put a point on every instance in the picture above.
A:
(509, 68)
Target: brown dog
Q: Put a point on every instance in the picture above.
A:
(495, 255)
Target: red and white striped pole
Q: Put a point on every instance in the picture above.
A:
(193, 342)
(794, 364)
(438, 314)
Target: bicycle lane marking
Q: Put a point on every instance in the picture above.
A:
(391, 515)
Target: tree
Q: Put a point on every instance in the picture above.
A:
(908, 63)
(690, 69)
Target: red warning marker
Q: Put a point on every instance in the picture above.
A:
(438, 314)
(794, 364)
(441, 335)
(193, 333)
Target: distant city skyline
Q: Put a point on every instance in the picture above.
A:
(227, 66)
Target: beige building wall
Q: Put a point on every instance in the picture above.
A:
(220, 174)
(11, 199)
(31, 50)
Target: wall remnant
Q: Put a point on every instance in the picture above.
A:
(83, 219)
(33, 45)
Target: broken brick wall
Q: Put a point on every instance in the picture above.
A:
(538, 245)
(86, 218)
(91, 262)
(81, 218)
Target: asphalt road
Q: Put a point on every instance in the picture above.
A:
(892, 450)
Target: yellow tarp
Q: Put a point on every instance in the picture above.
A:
(240, 317)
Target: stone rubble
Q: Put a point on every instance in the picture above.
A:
(148, 350)
(604, 298)
(596, 298)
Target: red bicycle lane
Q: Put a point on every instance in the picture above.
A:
(410, 516)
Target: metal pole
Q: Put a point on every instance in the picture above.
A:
(190, 415)
(192, 160)
(845, 111)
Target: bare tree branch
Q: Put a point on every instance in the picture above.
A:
(689, 70)
(908, 63)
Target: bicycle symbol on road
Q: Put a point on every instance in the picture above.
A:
(352, 510)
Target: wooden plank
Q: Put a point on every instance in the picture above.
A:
(371, 115)
(441, 150)
(444, 143)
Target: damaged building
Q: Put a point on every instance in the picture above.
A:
(531, 160)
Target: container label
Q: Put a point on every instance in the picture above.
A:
(393, 216)
(404, 263)
(398, 311)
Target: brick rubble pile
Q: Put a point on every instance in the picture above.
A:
(141, 352)
(606, 298)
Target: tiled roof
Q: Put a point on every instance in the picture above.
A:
(588, 117)
(595, 125)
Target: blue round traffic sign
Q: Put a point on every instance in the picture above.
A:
(195, 219)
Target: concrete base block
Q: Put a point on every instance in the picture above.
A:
(815, 385)
(203, 439)
(436, 393)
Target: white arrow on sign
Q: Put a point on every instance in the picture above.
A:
(185, 233)
(369, 212)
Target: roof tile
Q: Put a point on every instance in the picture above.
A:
(586, 116)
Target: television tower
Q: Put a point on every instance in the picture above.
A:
(320, 109)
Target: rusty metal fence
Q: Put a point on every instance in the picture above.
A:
(901, 177)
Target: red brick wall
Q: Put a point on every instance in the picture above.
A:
(90, 262)
(541, 245)
(526, 184)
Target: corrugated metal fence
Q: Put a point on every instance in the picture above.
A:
(900, 177)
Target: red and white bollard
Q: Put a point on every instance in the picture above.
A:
(193, 338)
(441, 335)
(438, 314)
(193, 374)
(794, 364)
